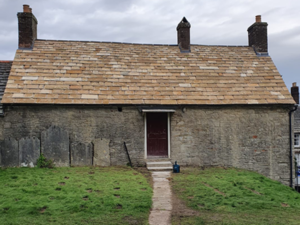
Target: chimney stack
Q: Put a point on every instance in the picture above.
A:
(183, 35)
(27, 27)
(295, 92)
(258, 36)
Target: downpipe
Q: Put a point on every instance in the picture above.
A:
(291, 146)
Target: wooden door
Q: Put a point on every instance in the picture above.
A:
(157, 134)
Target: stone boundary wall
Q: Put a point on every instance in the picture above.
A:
(249, 137)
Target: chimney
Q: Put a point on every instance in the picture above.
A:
(295, 92)
(27, 27)
(183, 35)
(258, 36)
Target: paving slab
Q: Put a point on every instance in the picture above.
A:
(161, 199)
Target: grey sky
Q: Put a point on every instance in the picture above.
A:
(214, 22)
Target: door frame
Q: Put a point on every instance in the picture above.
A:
(169, 132)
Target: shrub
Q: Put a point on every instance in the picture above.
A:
(42, 162)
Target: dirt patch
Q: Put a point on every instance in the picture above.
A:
(143, 189)
(117, 188)
(85, 198)
(180, 209)
(98, 191)
(58, 189)
(284, 205)
(62, 183)
(255, 192)
(118, 206)
(216, 190)
(91, 172)
(170, 178)
(83, 207)
(131, 220)
(66, 178)
(90, 190)
(117, 196)
(42, 210)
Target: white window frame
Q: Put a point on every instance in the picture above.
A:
(297, 140)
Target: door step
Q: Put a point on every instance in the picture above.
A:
(160, 166)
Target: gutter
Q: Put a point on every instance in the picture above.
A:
(291, 146)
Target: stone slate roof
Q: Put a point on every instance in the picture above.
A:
(5, 67)
(78, 72)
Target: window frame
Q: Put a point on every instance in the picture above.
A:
(297, 139)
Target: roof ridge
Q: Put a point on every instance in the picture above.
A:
(116, 42)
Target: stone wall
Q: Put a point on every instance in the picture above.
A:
(245, 137)
(297, 120)
(297, 130)
(84, 125)
(250, 137)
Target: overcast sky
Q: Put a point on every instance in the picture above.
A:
(214, 22)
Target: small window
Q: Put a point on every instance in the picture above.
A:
(297, 140)
(1, 110)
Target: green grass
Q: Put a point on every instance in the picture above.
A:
(234, 196)
(88, 195)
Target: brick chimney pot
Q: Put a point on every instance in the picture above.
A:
(26, 9)
(258, 19)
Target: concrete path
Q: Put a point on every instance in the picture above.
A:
(161, 200)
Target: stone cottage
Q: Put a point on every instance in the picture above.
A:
(79, 101)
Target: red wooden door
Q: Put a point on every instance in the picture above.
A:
(157, 134)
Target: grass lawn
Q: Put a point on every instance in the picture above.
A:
(79, 195)
(232, 196)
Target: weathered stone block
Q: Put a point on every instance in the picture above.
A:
(117, 157)
(101, 152)
(9, 152)
(55, 145)
(29, 150)
(297, 120)
(81, 154)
